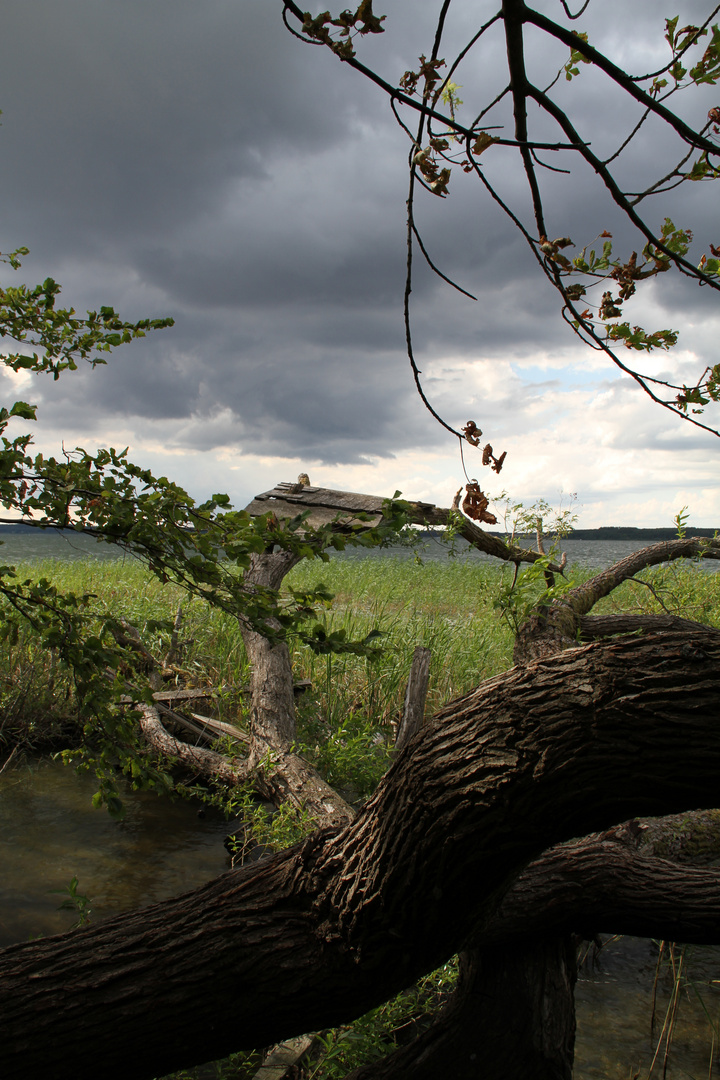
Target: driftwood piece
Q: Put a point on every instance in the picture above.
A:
(280, 1062)
(220, 728)
(206, 763)
(174, 695)
(184, 722)
(414, 710)
(13, 752)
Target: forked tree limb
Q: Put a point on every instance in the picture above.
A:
(557, 625)
(583, 597)
(272, 767)
(278, 775)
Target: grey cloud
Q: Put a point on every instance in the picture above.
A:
(254, 188)
(135, 114)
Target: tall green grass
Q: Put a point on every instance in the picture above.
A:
(448, 607)
(348, 723)
(37, 699)
(445, 607)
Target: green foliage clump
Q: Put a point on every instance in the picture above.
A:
(382, 1030)
(75, 902)
(677, 588)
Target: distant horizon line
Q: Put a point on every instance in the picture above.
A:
(610, 532)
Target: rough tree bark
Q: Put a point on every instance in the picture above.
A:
(515, 998)
(478, 1036)
(273, 701)
(317, 935)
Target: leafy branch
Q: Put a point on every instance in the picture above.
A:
(30, 317)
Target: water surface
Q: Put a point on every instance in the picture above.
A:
(614, 999)
(50, 833)
(594, 554)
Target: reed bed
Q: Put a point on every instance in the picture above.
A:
(450, 607)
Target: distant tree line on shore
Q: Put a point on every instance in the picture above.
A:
(604, 532)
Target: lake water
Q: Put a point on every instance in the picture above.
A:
(51, 833)
(48, 544)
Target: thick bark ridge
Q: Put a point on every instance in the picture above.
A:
(317, 935)
(601, 884)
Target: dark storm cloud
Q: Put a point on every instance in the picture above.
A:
(137, 114)
(204, 164)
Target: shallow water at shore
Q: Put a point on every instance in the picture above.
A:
(616, 1039)
(52, 833)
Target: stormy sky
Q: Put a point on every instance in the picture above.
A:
(170, 157)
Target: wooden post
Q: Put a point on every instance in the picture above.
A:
(414, 710)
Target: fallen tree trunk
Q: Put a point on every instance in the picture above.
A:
(318, 934)
(600, 884)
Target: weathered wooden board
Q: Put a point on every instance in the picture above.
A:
(324, 504)
(319, 515)
(281, 1062)
(175, 695)
(286, 500)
